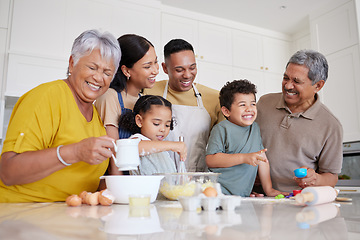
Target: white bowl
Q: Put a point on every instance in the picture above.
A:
(121, 186)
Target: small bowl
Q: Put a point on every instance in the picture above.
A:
(122, 186)
(139, 200)
(300, 172)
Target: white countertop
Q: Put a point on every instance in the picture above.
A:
(262, 218)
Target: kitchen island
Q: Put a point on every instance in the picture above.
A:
(255, 218)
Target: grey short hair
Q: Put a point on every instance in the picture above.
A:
(314, 61)
(87, 41)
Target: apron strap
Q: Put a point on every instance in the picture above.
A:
(197, 94)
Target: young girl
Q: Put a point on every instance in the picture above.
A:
(137, 70)
(151, 120)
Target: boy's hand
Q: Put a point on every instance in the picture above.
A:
(255, 158)
(273, 193)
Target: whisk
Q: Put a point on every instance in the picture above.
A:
(182, 167)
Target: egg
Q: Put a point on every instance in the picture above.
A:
(83, 195)
(210, 192)
(92, 198)
(73, 201)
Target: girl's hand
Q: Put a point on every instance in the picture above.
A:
(180, 148)
(255, 158)
(92, 150)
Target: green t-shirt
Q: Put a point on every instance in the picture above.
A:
(227, 137)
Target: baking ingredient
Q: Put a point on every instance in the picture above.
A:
(210, 192)
(106, 198)
(82, 195)
(92, 198)
(73, 200)
(173, 192)
(316, 195)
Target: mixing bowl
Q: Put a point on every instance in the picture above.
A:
(175, 185)
(121, 186)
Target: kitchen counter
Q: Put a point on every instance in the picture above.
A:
(260, 218)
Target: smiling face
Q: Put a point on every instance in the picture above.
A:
(181, 68)
(243, 110)
(297, 88)
(143, 72)
(155, 123)
(91, 76)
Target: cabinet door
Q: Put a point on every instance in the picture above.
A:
(4, 13)
(213, 75)
(178, 27)
(215, 43)
(276, 54)
(255, 77)
(335, 30)
(247, 50)
(341, 90)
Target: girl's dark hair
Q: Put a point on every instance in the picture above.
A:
(142, 105)
(133, 48)
(229, 90)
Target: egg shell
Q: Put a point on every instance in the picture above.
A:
(106, 198)
(83, 195)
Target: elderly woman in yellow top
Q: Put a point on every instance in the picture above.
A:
(56, 144)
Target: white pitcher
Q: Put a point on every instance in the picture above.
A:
(127, 154)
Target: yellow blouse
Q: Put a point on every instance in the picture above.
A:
(46, 117)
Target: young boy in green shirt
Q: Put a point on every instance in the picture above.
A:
(235, 147)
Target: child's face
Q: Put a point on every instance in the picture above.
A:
(155, 123)
(243, 110)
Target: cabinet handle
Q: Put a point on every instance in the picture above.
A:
(261, 67)
(266, 68)
(201, 57)
(196, 56)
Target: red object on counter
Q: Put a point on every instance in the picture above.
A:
(296, 192)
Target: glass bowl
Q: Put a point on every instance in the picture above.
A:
(175, 185)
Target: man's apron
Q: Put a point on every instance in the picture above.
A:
(192, 122)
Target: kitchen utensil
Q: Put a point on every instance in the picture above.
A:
(127, 153)
(316, 195)
(182, 167)
(122, 186)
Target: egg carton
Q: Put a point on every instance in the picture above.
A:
(225, 202)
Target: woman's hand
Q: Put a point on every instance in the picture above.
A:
(92, 150)
(309, 180)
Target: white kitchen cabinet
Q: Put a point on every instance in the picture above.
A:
(261, 53)
(4, 13)
(213, 75)
(266, 82)
(40, 45)
(211, 42)
(341, 93)
(335, 29)
(260, 59)
(335, 34)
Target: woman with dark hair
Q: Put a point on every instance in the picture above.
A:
(137, 70)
